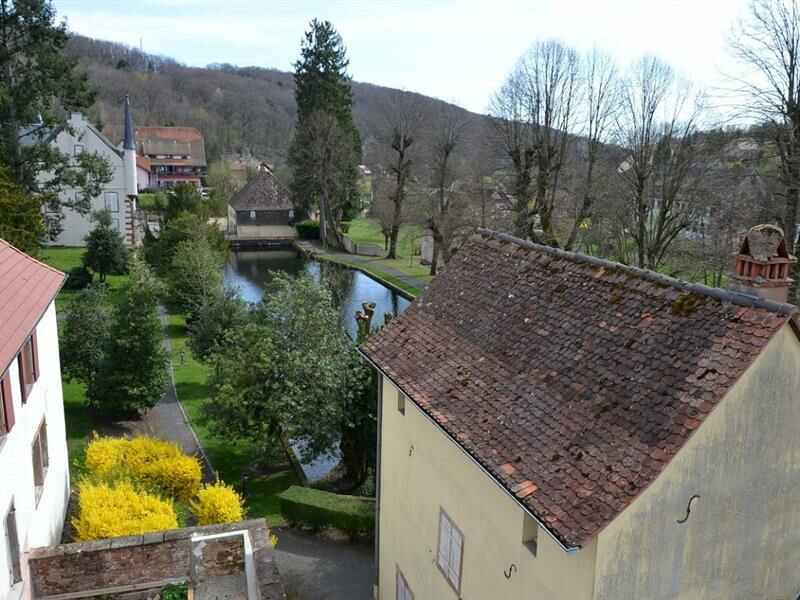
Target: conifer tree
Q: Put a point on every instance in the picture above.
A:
(322, 90)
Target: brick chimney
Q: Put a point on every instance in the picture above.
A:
(763, 264)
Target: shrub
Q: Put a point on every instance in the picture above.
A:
(218, 503)
(345, 226)
(79, 278)
(157, 465)
(105, 248)
(308, 230)
(318, 509)
(114, 510)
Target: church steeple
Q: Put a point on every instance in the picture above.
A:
(129, 140)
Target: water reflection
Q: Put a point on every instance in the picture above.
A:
(251, 272)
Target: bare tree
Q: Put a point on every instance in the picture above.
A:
(383, 206)
(443, 164)
(768, 42)
(598, 104)
(657, 127)
(535, 112)
(508, 109)
(404, 119)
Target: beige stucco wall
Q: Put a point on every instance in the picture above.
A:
(742, 539)
(438, 474)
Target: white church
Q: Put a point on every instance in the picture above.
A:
(118, 196)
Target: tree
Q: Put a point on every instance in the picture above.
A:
(322, 86)
(85, 335)
(224, 184)
(291, 372)
(133, 372)
(195, 277)
(38, 86)
(441, 222)
(159, 252)
(404, 118)
(598, 103)
(327, 156)
(105, 249)
(657, 127)
(768, 43)
(534, 113)
(184, 197)
(212, 320)
(21, 223)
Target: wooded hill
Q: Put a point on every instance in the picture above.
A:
(240, 110)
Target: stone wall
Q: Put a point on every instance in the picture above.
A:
(150, 561)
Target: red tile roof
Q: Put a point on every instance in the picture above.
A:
(573, 381)
(27, 287)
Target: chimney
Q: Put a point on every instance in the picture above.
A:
(763, 264)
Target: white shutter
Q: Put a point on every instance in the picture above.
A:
(444, 542)
(456, 542)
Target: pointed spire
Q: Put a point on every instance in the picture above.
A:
(129, 141)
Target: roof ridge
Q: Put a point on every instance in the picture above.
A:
(31, 258)
(720, 294)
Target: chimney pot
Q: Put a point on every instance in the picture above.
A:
(763, 264)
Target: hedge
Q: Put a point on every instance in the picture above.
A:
(318, 509)
(308, 230)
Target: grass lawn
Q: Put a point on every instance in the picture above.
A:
(230, 458)
(79, 426)
(368, 231)
(64, 259)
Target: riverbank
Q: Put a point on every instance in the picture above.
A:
(381, 269)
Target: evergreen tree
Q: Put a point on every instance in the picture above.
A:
(322, 85)
(105, 249)
(84, 335)
(39, 86)
(21, 223)
(133, 372)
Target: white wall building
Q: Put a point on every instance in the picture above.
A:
(34, 465)
(118, 195)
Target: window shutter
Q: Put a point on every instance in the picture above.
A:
(8, 402)
(444, 542)
(43, 441)
(455, 558)
(35, 355)
(13, 544)
(22, 387)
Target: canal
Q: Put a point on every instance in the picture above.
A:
(250, 272)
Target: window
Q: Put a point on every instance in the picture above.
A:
(41, 460)
(530, 534)
(451, 545)
(252, 214)
(6, 404)
(28, 359)
(403, 591)
(12, 544)
(112, 201)
(78, 150)
(401, 403)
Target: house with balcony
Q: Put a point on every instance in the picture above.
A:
(34, 486)
(553, 425)
(175, 155)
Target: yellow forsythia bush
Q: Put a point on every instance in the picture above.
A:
(218, 503)
(156, 464)
(113, 510)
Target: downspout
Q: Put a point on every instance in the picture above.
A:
(376, 585)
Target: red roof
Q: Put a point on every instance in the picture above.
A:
(143, 163)
(27, 287)
(180, 134)
(572, 380)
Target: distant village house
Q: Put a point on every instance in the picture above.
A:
(173, 155)
(261, 210)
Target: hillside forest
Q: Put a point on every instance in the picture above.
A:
(629, 162)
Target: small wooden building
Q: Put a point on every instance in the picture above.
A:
(261, 210)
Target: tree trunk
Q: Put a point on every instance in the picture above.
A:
(792, 198)
(393, 239)
(435, 258)
(354, 457)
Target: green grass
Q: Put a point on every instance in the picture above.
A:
(79, 426)
(230, 458)
(373, 268)
(64, 259)
(368, 231)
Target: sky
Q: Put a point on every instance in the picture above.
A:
(458, 51)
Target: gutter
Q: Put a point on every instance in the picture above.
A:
(567, 549)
